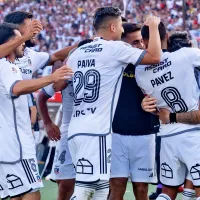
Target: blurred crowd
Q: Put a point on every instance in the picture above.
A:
(69, 21)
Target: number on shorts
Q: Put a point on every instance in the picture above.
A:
(173, 99)
(89, 82)
(33, 165)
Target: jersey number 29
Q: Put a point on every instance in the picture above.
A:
(89, 83)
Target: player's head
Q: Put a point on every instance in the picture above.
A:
(178, 40)
(23, 19)
(162, 32)
(108, 22)
(132, 35)
(7, 33)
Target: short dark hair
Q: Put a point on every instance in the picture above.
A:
(124, 19)
(161, 28)
(130, 28)
(178, 40)
(6, 32)
(105, 13)
(18, 17)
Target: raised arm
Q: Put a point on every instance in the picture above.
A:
(153, 52)
(61, 54)
(8, 47)
(28, 86)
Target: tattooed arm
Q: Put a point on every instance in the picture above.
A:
(192, 117)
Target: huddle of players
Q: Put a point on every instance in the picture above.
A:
(89, 102)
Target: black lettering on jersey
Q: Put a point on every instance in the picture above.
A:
(26, 71)
(162, 79)
(162, 67)
(92, 110)
(156, 65)
(79, 112)
(92, 48)
(86, 63)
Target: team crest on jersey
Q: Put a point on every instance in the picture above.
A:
(56, 170)
(29, 62)
(14, 70)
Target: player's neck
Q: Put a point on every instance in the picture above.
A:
(164, 44)
(104, 35)
(11, 57)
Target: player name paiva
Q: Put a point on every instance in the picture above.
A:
(86, 63)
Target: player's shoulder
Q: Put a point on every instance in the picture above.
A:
(5, 63)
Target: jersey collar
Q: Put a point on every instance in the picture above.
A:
(97, 38)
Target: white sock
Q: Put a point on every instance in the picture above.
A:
(163, 197)
(188, 194)
(198, 198)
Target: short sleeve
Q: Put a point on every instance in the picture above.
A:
(39, 59)
(125, 53)
(49, 91)
(10, 75)
(193, 56)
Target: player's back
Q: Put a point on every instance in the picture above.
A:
(173, 84)
(97, 68)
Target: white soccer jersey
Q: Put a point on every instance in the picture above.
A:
(67, 104)
(31, 62)
(173, 84)
(98, 68)
(15, 126)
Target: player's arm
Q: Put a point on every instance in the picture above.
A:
(29, 86)
(8, 47)
(153, 52)
(32, 108)
(192, 117)
(52, 129)
(61, 54)
(126, 54)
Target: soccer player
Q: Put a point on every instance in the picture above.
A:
(129, 158)
(63, 169)
(19, 177)
(162, 81)
(176, 41)
(32, 60)
(98, 68)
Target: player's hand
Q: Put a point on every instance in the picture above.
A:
(53, 131)
(152, 21)
(149, 104)
(164, 115)
(62, 73)
(60, 85)
(32, 29)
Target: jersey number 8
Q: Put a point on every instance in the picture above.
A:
(173, 99)
(89, 83)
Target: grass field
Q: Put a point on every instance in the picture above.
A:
(49, 192)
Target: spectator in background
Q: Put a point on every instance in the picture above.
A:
(66, 22)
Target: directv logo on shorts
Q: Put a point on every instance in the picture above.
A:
(56, 170)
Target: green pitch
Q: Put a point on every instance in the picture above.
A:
(49, 192)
